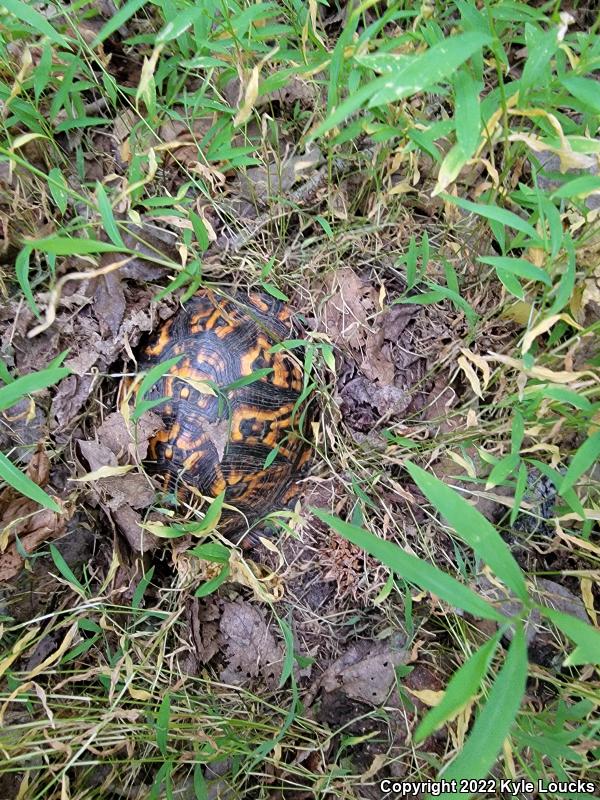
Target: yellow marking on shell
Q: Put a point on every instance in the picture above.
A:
(248, 359)
(212, 320)
(168, 453)
(184, 393)
(258, 302)
(218, 485)
(191, 461)
(223, 332)
(163, 340)
(279, 421)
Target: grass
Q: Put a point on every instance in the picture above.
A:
(433, 123)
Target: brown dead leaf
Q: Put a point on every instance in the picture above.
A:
(251, 649)
(365, 672)
(116, 436)
(129, 523)
(109, 299)
(96, 455)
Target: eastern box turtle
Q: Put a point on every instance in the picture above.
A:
(225, 439)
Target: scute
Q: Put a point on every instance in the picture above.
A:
(211, 443)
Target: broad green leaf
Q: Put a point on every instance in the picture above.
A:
(586, 455)
(28, 384)
(118, 19)
(463, 685)
(467, 115)
(212, 516)
(578, 187)
(511, 283)
(585, 90)
(275, 292)
(152, 376)
(31, 16)
(179, 24)
(211, 551)
(473, 528)
(495, 213)
(566, 283)
(108, 218)
(66, 571)
(453, 162)
(23, 484)
(66, 246)
(58, 189)
(561, 395)
(502, 470)
(541, 46)
(212, 585)
(518, 266)
(413, 569)
(141, 588)
(287, 667)
(495, 719)
(22, 273)
(426, 69)
(585, 636)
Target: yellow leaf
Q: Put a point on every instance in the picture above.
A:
(250, 95)
(17, 649)
(24, 139)
(587, 594)
(57, 654)
(462, 462)
(479, 362)
(543, 373)
(471, 376)
(519, 312)
(427, 696)
(104, 472)
(200, 386)
(139, 694)
(544, 326)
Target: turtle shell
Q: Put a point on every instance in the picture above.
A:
(225, 440)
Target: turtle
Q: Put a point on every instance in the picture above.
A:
(232, 410)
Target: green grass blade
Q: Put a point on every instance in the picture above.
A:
(108, 218)
(584, 458)
(22, 273)
(426, 69)
(495, 719)
(162, 723)
(66, 571)
(66, 246)
(141, 588)
(120, 18)
(495, 213)
(28, 384)
(23, 484)
(28, 14)
(413, 569)
(585, 636)
(463, 685)
(473, 528)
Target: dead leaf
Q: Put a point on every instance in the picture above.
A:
(129, 522)
(365, 672)
(251, 649)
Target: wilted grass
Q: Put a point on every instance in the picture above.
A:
(443, 111)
